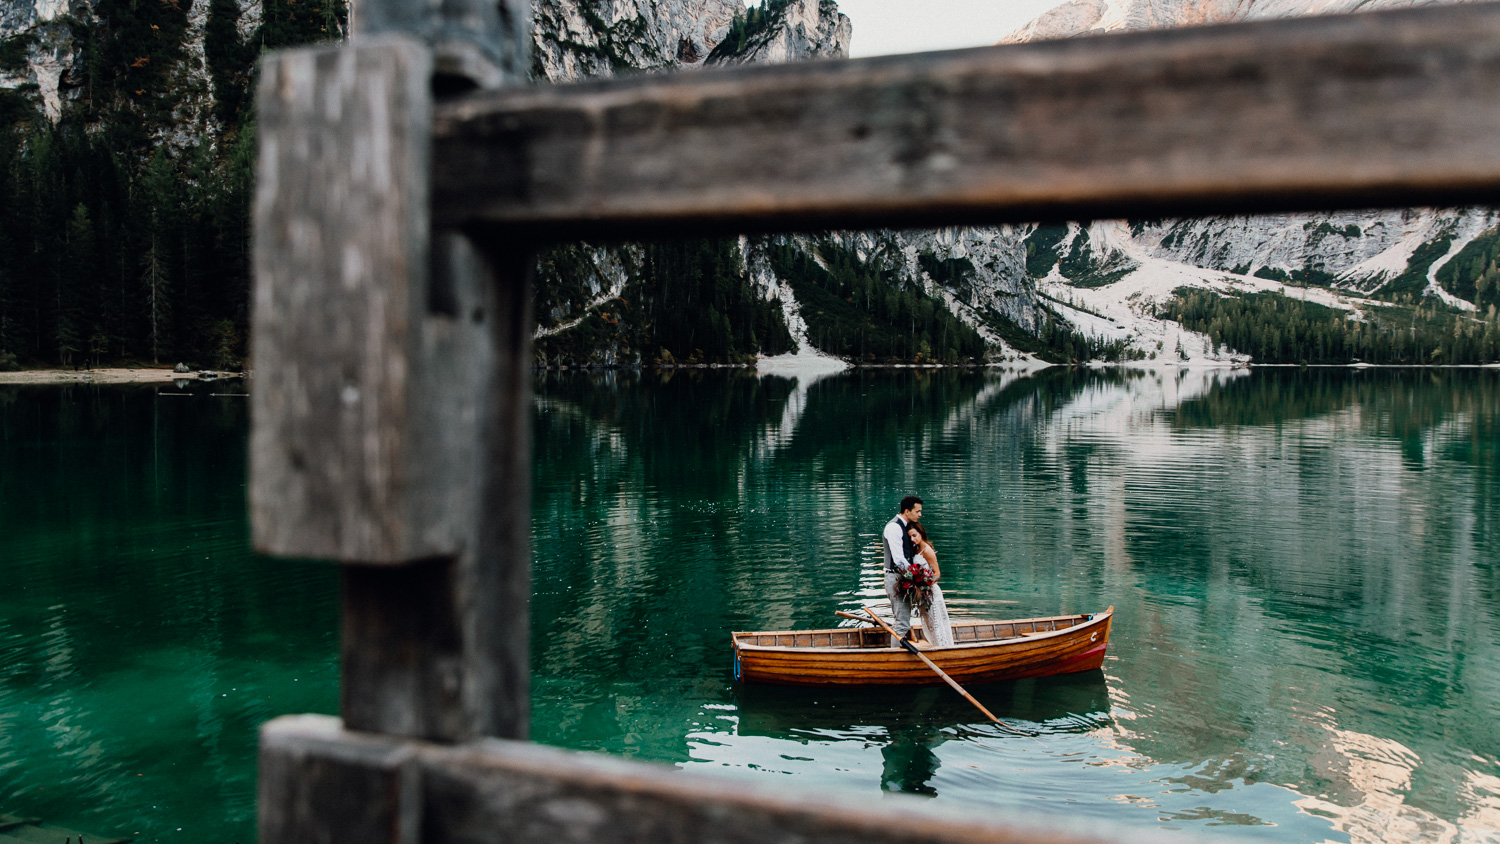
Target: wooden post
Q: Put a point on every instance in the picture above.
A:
(354, 788)
(439, 648)
(340, 322)
(393, 398)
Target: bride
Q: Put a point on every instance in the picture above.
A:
(935, 626)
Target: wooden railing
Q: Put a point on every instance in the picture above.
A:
(1352, 111)
(391, 331)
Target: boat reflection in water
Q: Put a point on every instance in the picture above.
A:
(907, 725)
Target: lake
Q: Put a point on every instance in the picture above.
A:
(1305, 566)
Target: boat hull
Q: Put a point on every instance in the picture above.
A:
(985, 652)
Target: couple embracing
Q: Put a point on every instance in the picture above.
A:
(907, 552)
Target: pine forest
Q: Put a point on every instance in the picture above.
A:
(124, 238)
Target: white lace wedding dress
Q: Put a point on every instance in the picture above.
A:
(935, 626)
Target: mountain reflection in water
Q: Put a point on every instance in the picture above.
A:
(1303, 562)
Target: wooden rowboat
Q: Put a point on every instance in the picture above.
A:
(983, 652)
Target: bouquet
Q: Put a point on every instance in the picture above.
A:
(914, 584)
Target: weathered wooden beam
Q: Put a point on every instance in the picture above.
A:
(512, 791)
(438, 648)
(345, 790)
(341, 251)
(390, 415)
(403, 667)
(370, 356)
(497, 571)
(1376, 109)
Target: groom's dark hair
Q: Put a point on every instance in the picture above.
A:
(909, 502)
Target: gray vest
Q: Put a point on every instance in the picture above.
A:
(885, 547)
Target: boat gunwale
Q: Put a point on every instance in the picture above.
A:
(989, 643)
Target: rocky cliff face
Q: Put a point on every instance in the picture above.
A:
(1060, 292)
(158, 62)
(37, 50)
(1396, 255)
(1364, 251)
(614, 305)
(578, 39)
(792, 30)
(1082, 17)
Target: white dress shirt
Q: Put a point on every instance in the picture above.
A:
(893, 536)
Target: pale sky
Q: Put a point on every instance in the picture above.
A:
(882, 27)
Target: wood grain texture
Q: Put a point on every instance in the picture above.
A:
(391, 410)
(512, 791)
(496, 566)
(370, 356)
(439, 649)
(1387, 108)
(402, 670)
(341, 238)
(316, 791)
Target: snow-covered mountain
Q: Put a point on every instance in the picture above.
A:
(1082, 17)
(1343, 256)
(1103, 289)
(1113, 282)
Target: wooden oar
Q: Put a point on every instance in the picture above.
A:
(930, 664)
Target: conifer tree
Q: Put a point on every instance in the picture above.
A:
(69, 328)
(159, 189)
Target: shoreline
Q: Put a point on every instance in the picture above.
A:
(147, 375)
(1012, 366)
(109, 375)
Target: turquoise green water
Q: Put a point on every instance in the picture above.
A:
(1303, 565)
(140, 642)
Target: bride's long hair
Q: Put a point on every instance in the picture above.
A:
(921, 531)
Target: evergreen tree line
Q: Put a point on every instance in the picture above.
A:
(955, 274)
(1060, 343)
(106, 259)
(865, 311)
(1274, 328)
(686, 302)
(1056, 341)
(702, 304)
(1474, 273)
(118, 247)
(1078, 264)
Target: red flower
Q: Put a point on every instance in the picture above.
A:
(915, 584)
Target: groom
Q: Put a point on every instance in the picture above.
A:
(898, 549)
